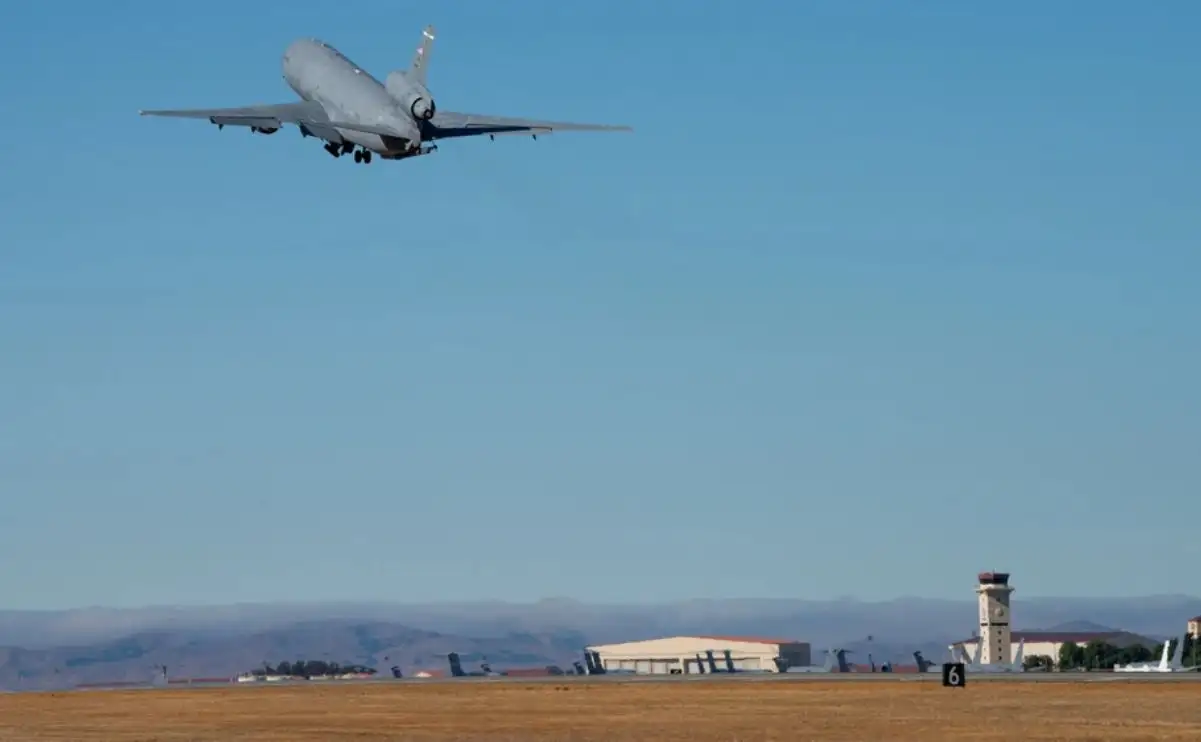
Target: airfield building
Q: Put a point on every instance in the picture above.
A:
(679, 654)
(992, 594)
(1048, 643)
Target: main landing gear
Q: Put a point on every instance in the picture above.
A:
(364, 156)
(337, 150)
(413, 152)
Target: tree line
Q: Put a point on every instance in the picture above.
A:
(1100, 655)
(310, 668)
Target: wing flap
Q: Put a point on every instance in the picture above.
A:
(287, 113)
(307, 114)
(448, 124)
(259, 122)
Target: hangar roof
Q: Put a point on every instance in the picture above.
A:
(689, 642)
(748, 639)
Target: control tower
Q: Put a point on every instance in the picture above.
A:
(992, 594)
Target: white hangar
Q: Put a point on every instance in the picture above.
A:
(679, 654)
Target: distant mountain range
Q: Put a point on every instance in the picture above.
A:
(44, 649)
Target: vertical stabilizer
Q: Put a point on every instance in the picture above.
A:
(843, 665)
(700, 665)
(599, 663)
(923, 664)
(421, 58)
(1163, 658)
(456, 667)
(730, 662)
(1019, 656)
(1178, 655)
(712, 662)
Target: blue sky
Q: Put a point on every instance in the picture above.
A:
(877, 295)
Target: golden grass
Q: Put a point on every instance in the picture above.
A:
(696, 712)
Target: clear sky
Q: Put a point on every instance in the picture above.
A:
(877, 295)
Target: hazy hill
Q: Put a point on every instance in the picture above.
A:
(102, 644)
(185, 654)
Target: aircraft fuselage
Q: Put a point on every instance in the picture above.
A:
(351, 112)
(317, 72)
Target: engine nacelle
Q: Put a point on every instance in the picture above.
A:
(263, 130)
(415, 99)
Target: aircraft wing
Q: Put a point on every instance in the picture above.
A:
(264, 116)
(448, 124)
(308, 114)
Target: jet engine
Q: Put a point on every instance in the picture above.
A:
(262, 130)
(413, 96)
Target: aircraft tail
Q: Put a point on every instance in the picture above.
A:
(843, 665)
(598, 663)
(830, 658)
(1020, 656)
(456, 667)
(712, 662)
(421, 58)
(1178, 656)
(396, 671)
(700, 665)
(1163, 658)
(923, 664)
(730, 662)
(579, 669)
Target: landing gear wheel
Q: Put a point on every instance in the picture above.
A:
(367, 157)
(358, 156)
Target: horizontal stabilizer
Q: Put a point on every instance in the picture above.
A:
(448, 124)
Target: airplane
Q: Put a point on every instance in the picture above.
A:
(1175, 664)
(351, 111)
(1161, 666)
(456, 669)
(925, 665)
(832, 656)
(597, 667)
(730, 666)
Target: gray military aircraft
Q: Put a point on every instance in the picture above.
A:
(343, 105)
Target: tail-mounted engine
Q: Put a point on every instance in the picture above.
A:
(416, 100)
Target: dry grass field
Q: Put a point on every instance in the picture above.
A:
(697, 712)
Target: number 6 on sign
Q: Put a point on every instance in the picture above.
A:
(953, 675)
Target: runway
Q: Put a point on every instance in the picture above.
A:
(822, 677)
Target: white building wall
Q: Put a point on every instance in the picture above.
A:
(1051, 649)
(679, 654)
